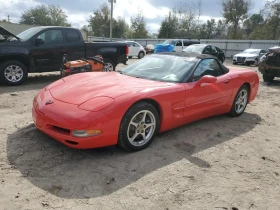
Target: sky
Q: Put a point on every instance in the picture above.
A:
(78, 11)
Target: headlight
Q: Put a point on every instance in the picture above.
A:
(85, 133)
(97, 104)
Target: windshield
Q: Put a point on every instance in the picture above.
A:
(169, 41)
(194, 48)
(251, 51)
(165, 68)
(27, 34)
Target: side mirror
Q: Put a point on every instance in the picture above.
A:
(39, 41)
(206, 79)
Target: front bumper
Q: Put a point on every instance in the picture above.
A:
(59, 119)
(244, 60)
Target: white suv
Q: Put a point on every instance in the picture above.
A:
(135, 49)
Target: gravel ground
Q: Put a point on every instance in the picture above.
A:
(217, 163)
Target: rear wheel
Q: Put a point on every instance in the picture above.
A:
(141, 55)
(240, 102)
(129, 57)
(139, 126)
(109, 65)
(268, 78)
(13, 73)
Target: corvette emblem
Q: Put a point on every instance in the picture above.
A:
(49, 102)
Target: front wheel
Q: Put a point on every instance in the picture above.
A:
(240, 102)
(139, 126)
(267, 78)
(13, 73)
(109, 65)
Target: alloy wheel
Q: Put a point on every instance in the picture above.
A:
(13, 73)
(141, 128)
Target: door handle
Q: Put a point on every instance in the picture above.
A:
(226, 81)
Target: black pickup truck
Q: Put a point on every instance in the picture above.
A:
(40, 49)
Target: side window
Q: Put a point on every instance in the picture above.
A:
(207, 49)
(179, 43)
(51, 36)
(213, 49)
(129, 44)
(263, 52)
(72, 35)
(207, 67)
(135, 45)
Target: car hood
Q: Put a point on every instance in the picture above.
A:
(6, 34)
(246, 55)
(82, 87)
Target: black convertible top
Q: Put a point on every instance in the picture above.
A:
(193, 55)
(187, 54)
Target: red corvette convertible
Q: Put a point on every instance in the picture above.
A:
(129, 107)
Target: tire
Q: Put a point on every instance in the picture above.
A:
(129, 57)
(13, 73)
(267, 78)
(240, 101)
(141, 55)
(109, 65)
(256, 62)
(247, 64)
(133, 128)
(234, 63)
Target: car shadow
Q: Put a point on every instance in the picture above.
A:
(33, 82)
(274, 84)
(71, 173)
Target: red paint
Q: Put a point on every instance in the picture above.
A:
(98, 101)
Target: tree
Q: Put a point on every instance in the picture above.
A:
(99, 22)
(43, 15)
(252, 24)
(188, 19)
(168, 26)
(119, 28)
(272, 22)
(138, 26)
(235, 11)
(5, 21)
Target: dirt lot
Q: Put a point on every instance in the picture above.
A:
(217, 163)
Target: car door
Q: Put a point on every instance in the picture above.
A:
(214, 51)
(132, 50)
(207, 99)
(136, 48)
(48, 56)
(178, 46)
(75, 44)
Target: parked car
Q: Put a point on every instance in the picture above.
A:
(269, 64)
(129, 107)
(249, 57)
(151, 48)
(40, 49)
(174, 45)
(146, 49)
(135, 49)
(206, 49)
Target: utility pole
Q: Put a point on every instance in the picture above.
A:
(111, 21)
(8, 18)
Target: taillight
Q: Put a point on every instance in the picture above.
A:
(126, 50)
